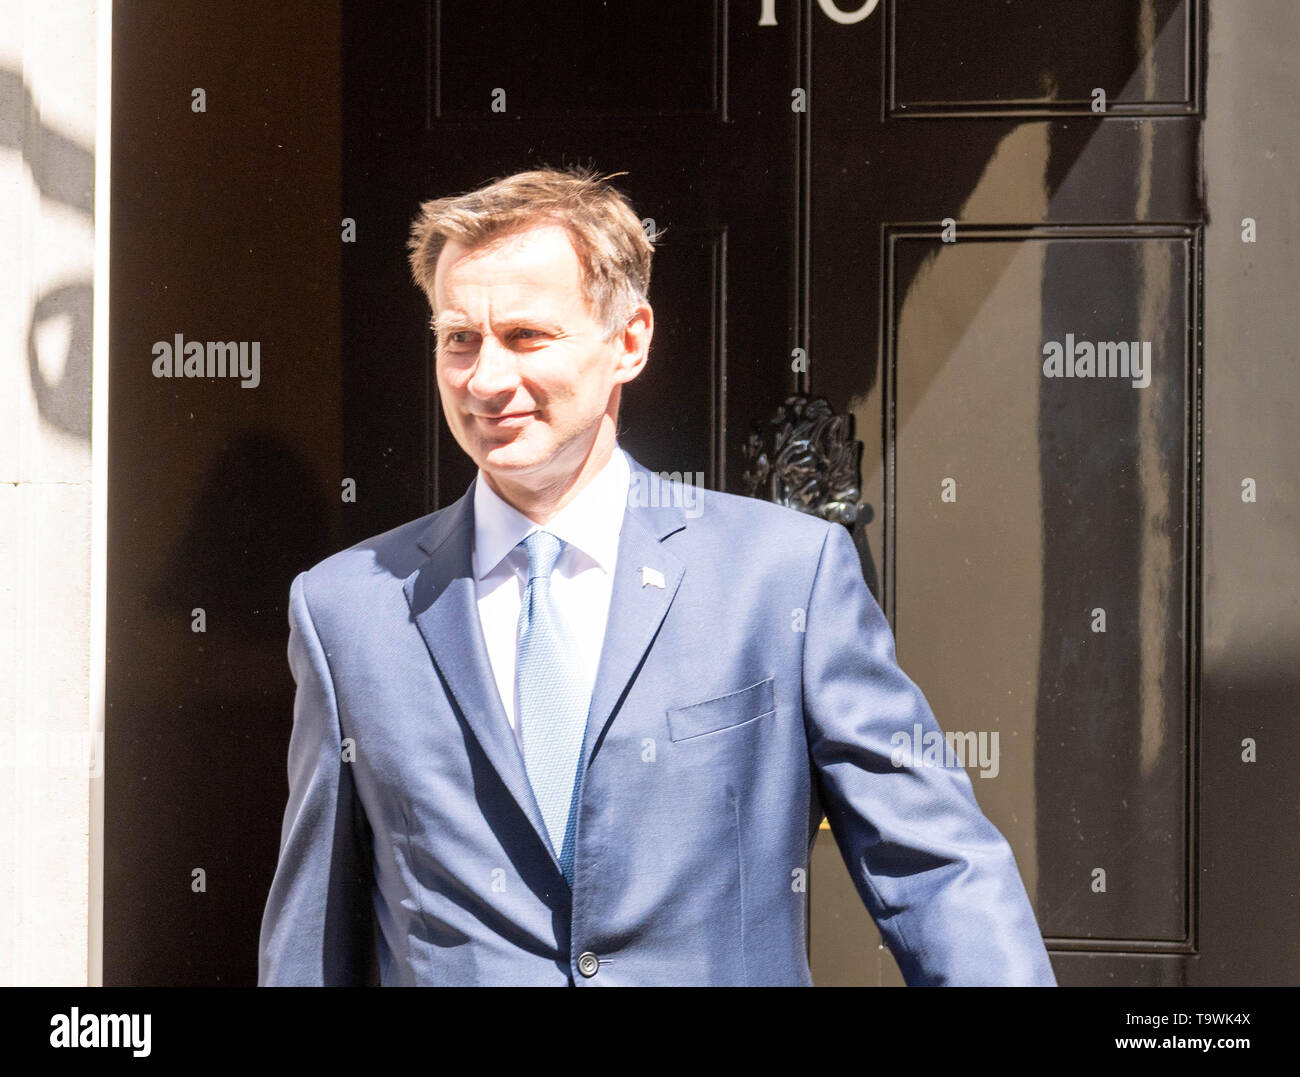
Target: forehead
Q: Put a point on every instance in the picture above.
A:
(539, 258)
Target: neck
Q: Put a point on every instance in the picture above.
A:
(541, 503)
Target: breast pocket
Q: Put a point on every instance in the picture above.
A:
(722, 712)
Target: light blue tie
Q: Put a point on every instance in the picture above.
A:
(552, 702)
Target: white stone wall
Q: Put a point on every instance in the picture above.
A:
(50, 635)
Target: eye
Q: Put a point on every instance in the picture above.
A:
(529, 334)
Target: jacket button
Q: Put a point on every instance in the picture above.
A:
(588, 963)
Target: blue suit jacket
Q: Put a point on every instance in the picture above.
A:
(754, 691)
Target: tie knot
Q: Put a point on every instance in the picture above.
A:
(543, 551)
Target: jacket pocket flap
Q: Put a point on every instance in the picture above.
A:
(722, 712)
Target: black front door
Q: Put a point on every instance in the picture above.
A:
(1009, 240)
(1010, 219)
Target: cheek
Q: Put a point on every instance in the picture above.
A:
(591, 389)
(451, 378)
(574, 402)
(567, 396)
(451, 395)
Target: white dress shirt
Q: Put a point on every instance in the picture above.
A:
(581, 583)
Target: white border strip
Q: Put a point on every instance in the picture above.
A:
(99, 490)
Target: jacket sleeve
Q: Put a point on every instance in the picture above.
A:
(318, 927)
(937, 877)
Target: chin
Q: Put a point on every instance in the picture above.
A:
(511, 457)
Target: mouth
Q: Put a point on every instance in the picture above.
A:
(513, 418)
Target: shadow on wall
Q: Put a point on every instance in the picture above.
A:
(64, 173)
(259, 518)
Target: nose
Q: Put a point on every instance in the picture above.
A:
(495, 372)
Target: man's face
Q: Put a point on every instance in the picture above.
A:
(527, 383)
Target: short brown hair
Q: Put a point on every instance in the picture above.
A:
(612, 246)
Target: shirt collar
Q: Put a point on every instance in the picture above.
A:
(592, 521)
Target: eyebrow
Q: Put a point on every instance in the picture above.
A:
(452, 322)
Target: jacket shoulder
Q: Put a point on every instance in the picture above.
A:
(394, 553)
(758, 531)
(765, 513)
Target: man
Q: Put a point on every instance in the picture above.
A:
(564, 731)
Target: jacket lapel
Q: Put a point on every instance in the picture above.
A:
(445, 608)
(638, 604)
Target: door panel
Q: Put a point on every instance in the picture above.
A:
(1039, 529)
(1026, 57)
(1046, 601)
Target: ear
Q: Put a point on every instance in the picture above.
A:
(633, 343)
